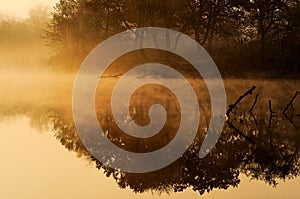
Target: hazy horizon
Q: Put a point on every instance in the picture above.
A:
(20, 8)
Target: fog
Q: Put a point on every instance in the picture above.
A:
(36, 98)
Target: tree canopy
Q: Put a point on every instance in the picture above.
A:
(230, 30)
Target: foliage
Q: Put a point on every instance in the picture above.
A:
(22, 46)
(254, 35)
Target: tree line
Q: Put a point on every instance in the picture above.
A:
(21, 40)
(247, 35)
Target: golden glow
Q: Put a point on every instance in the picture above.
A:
(35, 165)
(20, 8)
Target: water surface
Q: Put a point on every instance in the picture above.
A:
(37, 133)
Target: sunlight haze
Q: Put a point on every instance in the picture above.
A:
(20, 8)
(116, 99)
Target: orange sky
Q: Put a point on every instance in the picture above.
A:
(19, 8)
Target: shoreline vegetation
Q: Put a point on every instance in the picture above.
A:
(242, 44)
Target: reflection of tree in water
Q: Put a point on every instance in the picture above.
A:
(255, 141)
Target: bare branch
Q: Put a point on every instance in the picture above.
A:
(252, 107)
(271, 113)
(290, 105)
(240, 133)
(232, 106)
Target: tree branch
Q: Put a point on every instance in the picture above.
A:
(240, 133)
(290, 104)
(232, 106)
(271, 113)
(252, 107)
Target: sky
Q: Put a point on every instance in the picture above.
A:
(20, 8)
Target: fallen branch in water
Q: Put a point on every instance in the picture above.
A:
(252, 107)
(232, 106)
(290, 105)
(271, 113)
(240, 133)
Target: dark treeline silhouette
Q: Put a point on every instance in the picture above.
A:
(241, 35)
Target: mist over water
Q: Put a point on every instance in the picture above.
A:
(35, 98)
(45, 99)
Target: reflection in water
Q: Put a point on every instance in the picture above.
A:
(258, 140)
(49, 171)
(254, 142)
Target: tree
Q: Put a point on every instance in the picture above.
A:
(39, 17)
(203, 18)
(78, 25)
(265, 17)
